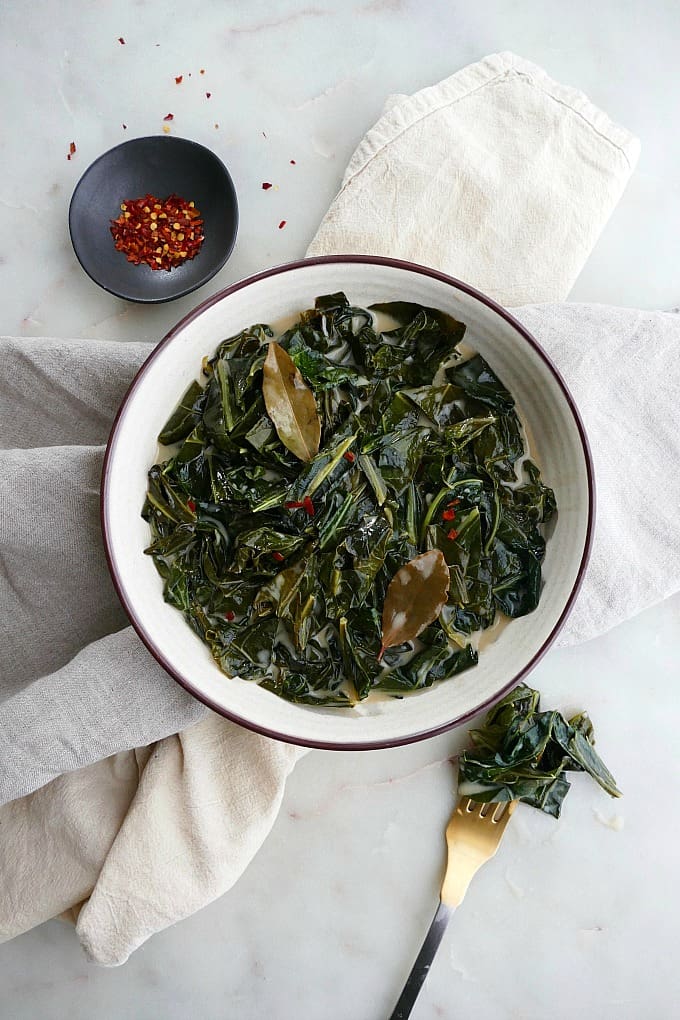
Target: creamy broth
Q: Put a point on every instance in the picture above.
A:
(480, 640)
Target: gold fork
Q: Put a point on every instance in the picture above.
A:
(472, 837)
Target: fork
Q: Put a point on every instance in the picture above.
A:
(472, 838)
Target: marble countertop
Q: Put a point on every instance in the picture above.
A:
(573, 917)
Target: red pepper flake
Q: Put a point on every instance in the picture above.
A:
(178, 80)
(121, 40)
(308, 505)
(202, 71)
(454, 502)
(348, 455)
(163, 234)
(71, 150)
(208, 95)
(277, 556)
(452, 534)
(191, 505)
(229, 615)
(266, 185)
(169, 116)
(282, 224)
(449, 515)
(293, 505)
(292, 162)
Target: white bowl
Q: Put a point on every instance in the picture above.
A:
(547, 409)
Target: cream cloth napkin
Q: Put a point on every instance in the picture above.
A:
(497, 175)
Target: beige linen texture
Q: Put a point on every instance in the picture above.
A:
(497, 175)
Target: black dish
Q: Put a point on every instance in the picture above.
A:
(158, 165)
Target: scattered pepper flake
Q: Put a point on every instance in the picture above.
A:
(121, 40)
(71, 150)
(191, 505)
(308, 505)
(208, 95)
(202, 71)
(178, 80)
(162, 234)
(449, 515)
(348, 455)
(266, 185)
(282, 224)
(292, 162)
(229, 615)
(217, 125)
(293, 504)
(277, 556)
(452, 534)
(169, 116)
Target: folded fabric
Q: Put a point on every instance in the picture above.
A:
(147, 836)
(497, 175)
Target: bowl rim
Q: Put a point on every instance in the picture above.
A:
(367, 745)
(230, 188)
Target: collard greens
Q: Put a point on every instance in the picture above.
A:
(521, 753)
(279, 547)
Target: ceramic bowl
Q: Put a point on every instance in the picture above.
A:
(159, 165)
(548, 411)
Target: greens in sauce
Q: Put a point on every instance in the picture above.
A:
(313, 473)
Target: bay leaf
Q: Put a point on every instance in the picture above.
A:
(415, 597)
(290, 404)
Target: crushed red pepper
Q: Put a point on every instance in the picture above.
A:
(71, 150)
(348, 455)
(163, 234)
(208, 95)
(282, 224)
(178, 80)
(191, 505)
(277, 556)
(202, 71)
(449, 515)
(452, 534)
(292, 162)
(266, 186)
(304, 504)
(169, 116)
(229, 615)
(121, 40)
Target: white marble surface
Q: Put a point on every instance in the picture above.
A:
(572, 918)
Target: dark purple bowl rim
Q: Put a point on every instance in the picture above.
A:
(369, 745)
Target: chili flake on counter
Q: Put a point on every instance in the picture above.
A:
(163, 234)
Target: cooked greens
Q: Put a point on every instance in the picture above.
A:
(311, 469)
(521, 753)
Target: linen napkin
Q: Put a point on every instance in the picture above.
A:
(505, 163)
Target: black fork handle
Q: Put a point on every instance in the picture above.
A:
(421, 967)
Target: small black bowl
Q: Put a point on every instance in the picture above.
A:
(158, 165)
